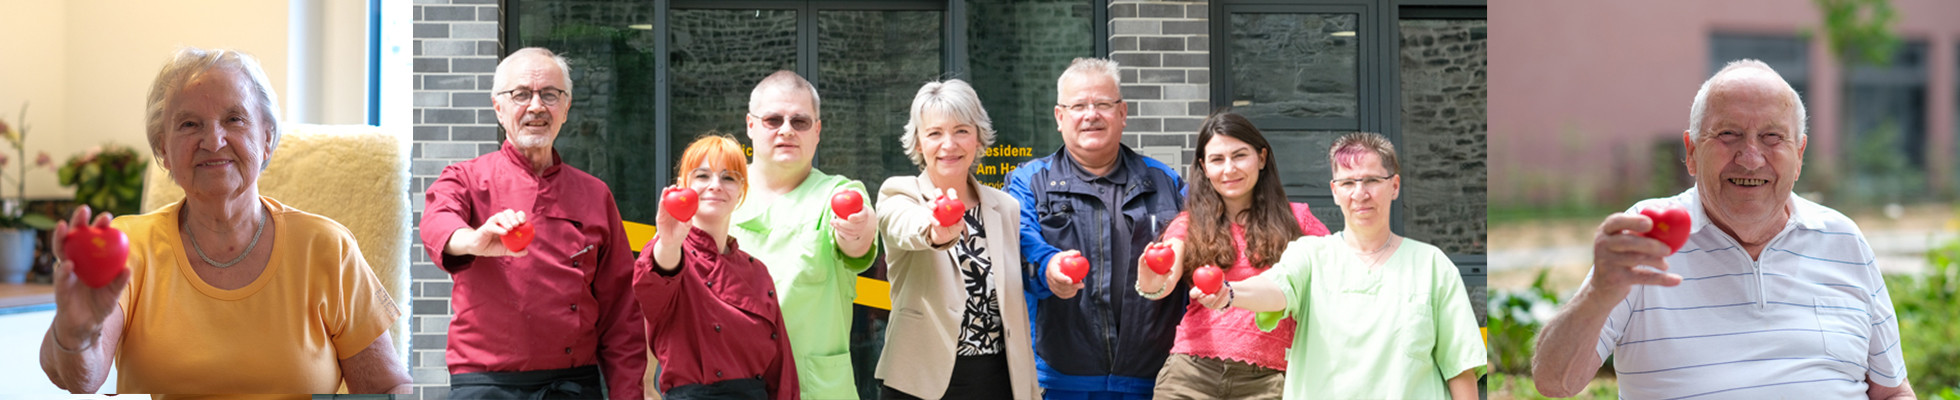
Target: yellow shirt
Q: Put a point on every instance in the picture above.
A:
(316, 302)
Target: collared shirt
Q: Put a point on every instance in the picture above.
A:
(714, 318)
(1397, 331)
(569, 303)
(816, 281)
(1809, 318)
(1229, 334)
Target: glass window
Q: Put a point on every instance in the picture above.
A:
(611, 123)
(869, 66)
(1888, 105)
(1444, 66)
(1014, 57)
(1295, 66)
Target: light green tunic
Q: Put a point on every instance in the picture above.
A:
(815, 282)
(1396, 332)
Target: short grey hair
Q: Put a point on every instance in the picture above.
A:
(1699, 110)
(503, 67)
(952, 97)
(1086, 66)
(787, 80)
(187, 65)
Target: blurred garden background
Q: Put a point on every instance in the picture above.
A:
(1587, 110)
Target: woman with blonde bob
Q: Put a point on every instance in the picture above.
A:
(959, 327)
(711, 309)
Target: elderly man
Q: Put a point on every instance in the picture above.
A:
(550, 318)
(1772, 296)
(1095, 198)
(787, 223)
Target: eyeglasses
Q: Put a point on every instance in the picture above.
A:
(799, 123)
(551, 96)
(1101, 106)
(1368, 183)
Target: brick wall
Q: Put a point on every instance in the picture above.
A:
(455, 54)
(1164, 53)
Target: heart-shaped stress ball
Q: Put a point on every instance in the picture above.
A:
(520, 236)
(1075, 267)
(99, 254)
(1671, 226)
(1208, 279)
(680, 203)
(948, 210)
(847, 203)
(1160, 257)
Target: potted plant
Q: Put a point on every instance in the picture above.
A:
(17, 227)
(107, 178)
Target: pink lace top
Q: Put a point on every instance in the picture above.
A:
(1231, 334)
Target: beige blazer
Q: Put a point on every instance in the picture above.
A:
(929, 294)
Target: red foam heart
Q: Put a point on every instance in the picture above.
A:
(1160, 257)
(1208, 279)
(846, 203)
(99, 254)
(1075, 267)
(1671, 226)
(948, 210)
(680, 203)
(519, 237)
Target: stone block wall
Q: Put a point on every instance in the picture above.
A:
(1164, 54)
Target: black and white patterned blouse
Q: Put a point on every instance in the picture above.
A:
(980, 328)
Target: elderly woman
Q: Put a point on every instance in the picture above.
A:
(712, 315)
(1238, 220)
(959, 327)
(1381, 316)
(227, 291)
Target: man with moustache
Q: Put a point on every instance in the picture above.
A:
(1097, 198)
(551, 320)
(1772, 296)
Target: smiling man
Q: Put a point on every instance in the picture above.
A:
(1773, 296)
(548, 321)
(1098, 199)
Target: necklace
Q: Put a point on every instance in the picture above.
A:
(1372, 258)
(241, 256)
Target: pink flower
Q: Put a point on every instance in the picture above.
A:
(44, 160)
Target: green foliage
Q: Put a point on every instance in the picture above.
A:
(1514, 321)
(108, 178)
(1926, 305)
(1521, 387)
(1860, 30)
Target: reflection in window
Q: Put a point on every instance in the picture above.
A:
(611, 121)
(715, 58)
(869, 65)
(1888, 113)
(1294, 65)
(1444, 97)
(1016, 52)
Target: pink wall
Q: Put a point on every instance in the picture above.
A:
(1582, 89)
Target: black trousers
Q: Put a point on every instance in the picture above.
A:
(748, 388)
(974, 377)
(571, 383)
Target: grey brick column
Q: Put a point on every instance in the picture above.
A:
(1164, 52)
(455, 57)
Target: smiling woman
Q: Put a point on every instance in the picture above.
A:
(277, 294)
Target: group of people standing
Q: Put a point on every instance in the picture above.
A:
(749, 295)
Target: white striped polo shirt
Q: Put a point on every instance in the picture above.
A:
(1810, 319)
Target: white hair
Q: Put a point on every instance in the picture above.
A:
(953, 98)
(188, 64)
(1086, 66)
(1700, 108)
(786, 80)
(498, 82)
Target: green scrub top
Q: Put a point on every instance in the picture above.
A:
(815, 282)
